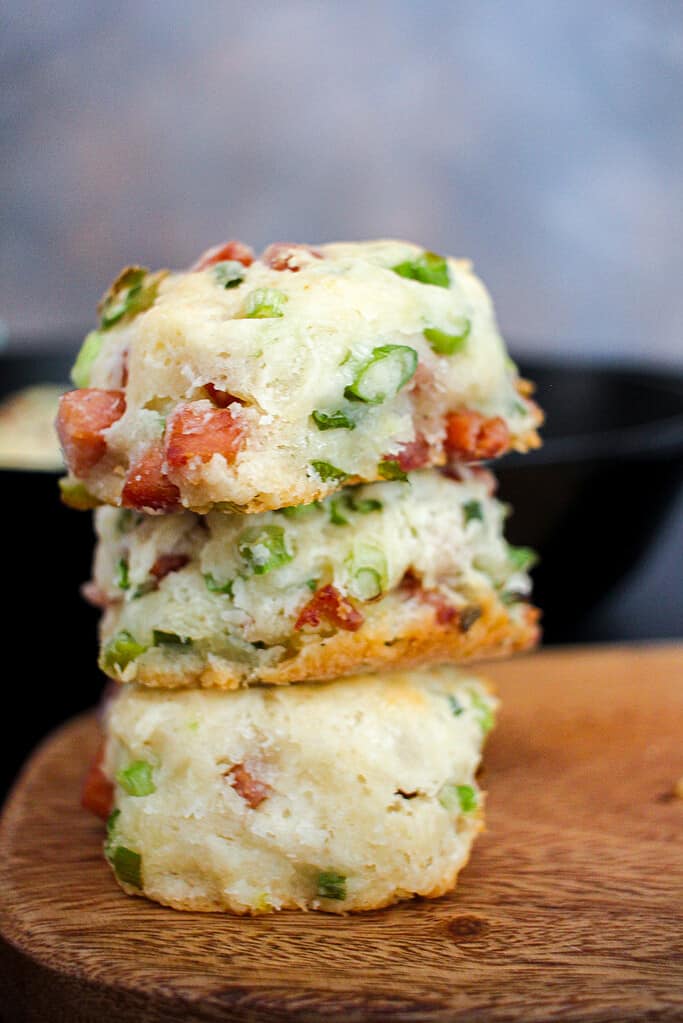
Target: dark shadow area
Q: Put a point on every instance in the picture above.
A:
(595, 500)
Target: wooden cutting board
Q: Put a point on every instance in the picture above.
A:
(571, 908)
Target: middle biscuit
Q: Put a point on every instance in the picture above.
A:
(393, 573)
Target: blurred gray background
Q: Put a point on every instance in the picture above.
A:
(543, 139)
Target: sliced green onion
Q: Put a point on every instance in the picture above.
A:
(312, 584)
(264, 548)
(127, 866)
(148, 586)
(300, 511)
(367, 583)
(229, 273)
(162, 638)
(455, 705)
(458, 797)
(468, 616)
(522, 558)
(467, 798)
(444, 343)
(124, 294)
(429, 268)
(137, 779)
(111, 828)
(75, 495)
(390, 469)
(122, 580)
(333, 420)
(121, 650)
(331, 885)
(213, 586)
(128, 520)
(133, 292)
(483, 711)
(264, 304)
(90, 349)
(326, 471)
(369, 572)
(340, 506)
(337, 518)
(473, 511)
(364, 505)
(388, 369)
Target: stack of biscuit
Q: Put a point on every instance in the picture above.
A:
(298, 549)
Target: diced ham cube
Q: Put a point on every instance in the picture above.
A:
(413, 455)
(247, 786)
(444, 612)
(147, 486)
(234, 251)
(221, 398)
(97, 794)
(201, 433)
(285, 255)
(465, 473)
(95, 596)
(423, 380)
(83, 417)
(328, 603)
(471, 437)
(167, 563)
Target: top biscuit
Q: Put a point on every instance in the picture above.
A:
(254, 384)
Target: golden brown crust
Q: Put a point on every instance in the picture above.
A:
(204, 904)
(310, 491)
(401, 633)
(528, 441)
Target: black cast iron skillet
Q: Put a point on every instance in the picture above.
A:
(594, 497)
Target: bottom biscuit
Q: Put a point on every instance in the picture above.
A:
(333, 797)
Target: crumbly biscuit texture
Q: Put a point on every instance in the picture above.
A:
(334, 797)
(385, 574)
(288, 382)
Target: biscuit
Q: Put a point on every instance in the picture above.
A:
(257, 384)
(335, 797)
(379, 575)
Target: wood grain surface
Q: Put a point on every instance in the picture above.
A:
(571, 908)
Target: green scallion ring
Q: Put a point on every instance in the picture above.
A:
(388, 369)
